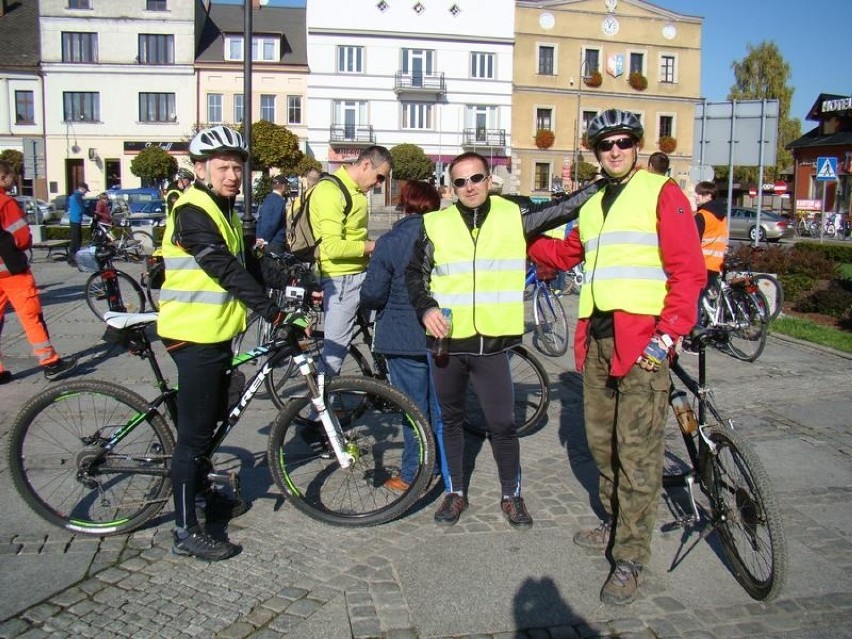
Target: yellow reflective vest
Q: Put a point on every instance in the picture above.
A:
(480, 275)
(193, 307)
(624, 268)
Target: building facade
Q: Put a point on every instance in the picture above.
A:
(576, 58)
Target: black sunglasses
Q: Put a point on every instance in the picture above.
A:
(621, 143)
(476, 178)
(380, 178)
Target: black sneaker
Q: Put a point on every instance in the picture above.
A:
(221, 507)
(5, 377)
(450, 510)
(200, 544)
(516, 512)
(60, 367)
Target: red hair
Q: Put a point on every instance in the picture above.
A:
(418, 197)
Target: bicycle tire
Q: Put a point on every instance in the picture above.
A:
(95, 291)
(531, 386)
(146, 239)
(157, 273)
(551, 326)
(304, 469)
(772, 291)
(77, 485)
(745, 513)
(748, 327)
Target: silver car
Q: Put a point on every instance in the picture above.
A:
(743, 225)
(37, 211)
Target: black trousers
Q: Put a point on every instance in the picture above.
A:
(76, 240)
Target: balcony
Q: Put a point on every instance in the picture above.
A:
(351, 135)
(493, 138)
(419, 84)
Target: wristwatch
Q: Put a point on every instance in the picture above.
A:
(666, 339)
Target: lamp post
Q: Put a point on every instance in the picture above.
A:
(248, 219)
(584, 73)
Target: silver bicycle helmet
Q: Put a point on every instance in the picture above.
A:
(613, 121)
(185, 174)
(218, 139)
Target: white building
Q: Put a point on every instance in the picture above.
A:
(118, 76)
(433, 73)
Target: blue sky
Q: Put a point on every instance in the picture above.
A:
(812, 36)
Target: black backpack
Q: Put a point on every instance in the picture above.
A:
(300, 235)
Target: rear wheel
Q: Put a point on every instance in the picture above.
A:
(747, 321)
(551, 325)
(125, 296)
(153, 280)
(772, 291)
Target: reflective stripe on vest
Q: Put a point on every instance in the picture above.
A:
(193, 307)
(624, 270)
(481, 280)
(714, 242)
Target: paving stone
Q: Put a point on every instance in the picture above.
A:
(366, 629)
(239, 630)
(13, 627)
(112, 575)
(304, 607)
(563, 632)
(68, 597)
(10, 549)
(38, 614)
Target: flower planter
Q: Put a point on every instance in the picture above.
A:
(667, 144)
(594, 79)
(544, 138)
(638, 81)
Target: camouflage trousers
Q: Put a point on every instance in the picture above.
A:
(625, 418)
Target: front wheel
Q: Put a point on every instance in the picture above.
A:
(153, 282)
(113, 290)
(88, 456)
(772, 291)
(387, 431)
(745, 513)
(551, 325)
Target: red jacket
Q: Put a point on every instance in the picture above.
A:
(682, 261)
(15, 237)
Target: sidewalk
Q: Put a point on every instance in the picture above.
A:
(409, 578)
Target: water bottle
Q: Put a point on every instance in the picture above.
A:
(441, 347)
(683, 411)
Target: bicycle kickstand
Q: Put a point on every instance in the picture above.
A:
(690, 520)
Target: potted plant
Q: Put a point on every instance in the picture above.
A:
(667, 144)
(544, 138)
(638, 81)
(594, 79)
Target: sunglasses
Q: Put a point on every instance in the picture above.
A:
(621, 143)
(476, 178)
(380, 178)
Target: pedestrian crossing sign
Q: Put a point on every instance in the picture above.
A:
(826, 169)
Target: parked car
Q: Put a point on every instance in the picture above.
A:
(773, 227)
(38, 211)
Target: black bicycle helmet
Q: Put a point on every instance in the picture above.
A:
(216, 140)
(613, 121)
(185, 174)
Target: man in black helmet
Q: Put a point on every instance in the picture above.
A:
(183, 180)
(644, 272)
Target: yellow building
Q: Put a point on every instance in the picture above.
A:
(576, 58)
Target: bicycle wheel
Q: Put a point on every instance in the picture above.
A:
(748, 324)
(145, 239)
(307, 471)
(772, 291)
(130, 298)
(531, 387)
(745, 514)
(551, 325)
(153, 280)
(61, 468)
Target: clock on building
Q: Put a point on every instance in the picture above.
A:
(609, 26)
(547, 21)
(669, 32)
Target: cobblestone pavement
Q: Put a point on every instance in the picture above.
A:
(479, 579)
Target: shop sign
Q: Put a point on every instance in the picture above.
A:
(171, 147)
(808, 205)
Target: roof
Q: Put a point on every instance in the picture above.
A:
(286, 22)
(815, 112)
(20, 45)
(815, 138)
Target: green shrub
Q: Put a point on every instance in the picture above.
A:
(795, 284)
(63, 233)
(785, 261)
(833, 300)
(834, 252)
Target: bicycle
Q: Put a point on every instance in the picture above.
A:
(152, 278)
(741, 310)
(741, 506)
(131, 245)
(738, 266)
(94, 457)
(551, 324)
(108, 288)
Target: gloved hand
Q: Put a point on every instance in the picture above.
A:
(654, 355)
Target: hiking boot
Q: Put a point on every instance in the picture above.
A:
(622, 587)
(220, 507)
(516, 512)
(397, 484)
(450, 510)
(60, 367)
(201, 545)
(5, 377)
(594, 538)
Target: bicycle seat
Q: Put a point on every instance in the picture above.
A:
(129, 320)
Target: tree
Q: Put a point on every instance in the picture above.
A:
(410, 162)
(154, 165)
(764, 74)
(274, 146)
(585, 171)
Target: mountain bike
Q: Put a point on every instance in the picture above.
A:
(739, 266)
(742, 311)
(108, 288)
(94, 457)
(740, 504)
(130, 244)
(551, 324)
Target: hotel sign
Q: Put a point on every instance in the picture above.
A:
(837, 104)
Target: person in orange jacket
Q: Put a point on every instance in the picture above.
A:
(17, 285)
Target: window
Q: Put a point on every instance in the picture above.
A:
(542, 177)
(480, 118)
(238, 108)
(267, 108)
(350, 59)
(156, 5)
(666, 125)
(544, 119)
(592, 60)
(156, 107)
(418, 63)
(294, 109)
(588, 116)
(156, 48)
(637, 63)
(214, 108)
(24, 107)
(545, 60)
(482, 65)
(79, 4)
(263, 48)
(667, 68)
(81, 106)
(79, 47)
(348, 116)
(416, 115)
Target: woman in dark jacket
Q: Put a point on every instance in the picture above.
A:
(399, 335)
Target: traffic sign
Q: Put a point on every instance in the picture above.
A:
(826, 169)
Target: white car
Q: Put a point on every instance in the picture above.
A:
(38, 211)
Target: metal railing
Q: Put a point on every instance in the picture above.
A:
(484, 137)
(352, 133)
(419, 82)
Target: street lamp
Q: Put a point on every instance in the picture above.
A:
(248, 218)
(584, 74)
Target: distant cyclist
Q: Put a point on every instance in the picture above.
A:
(183, 180)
